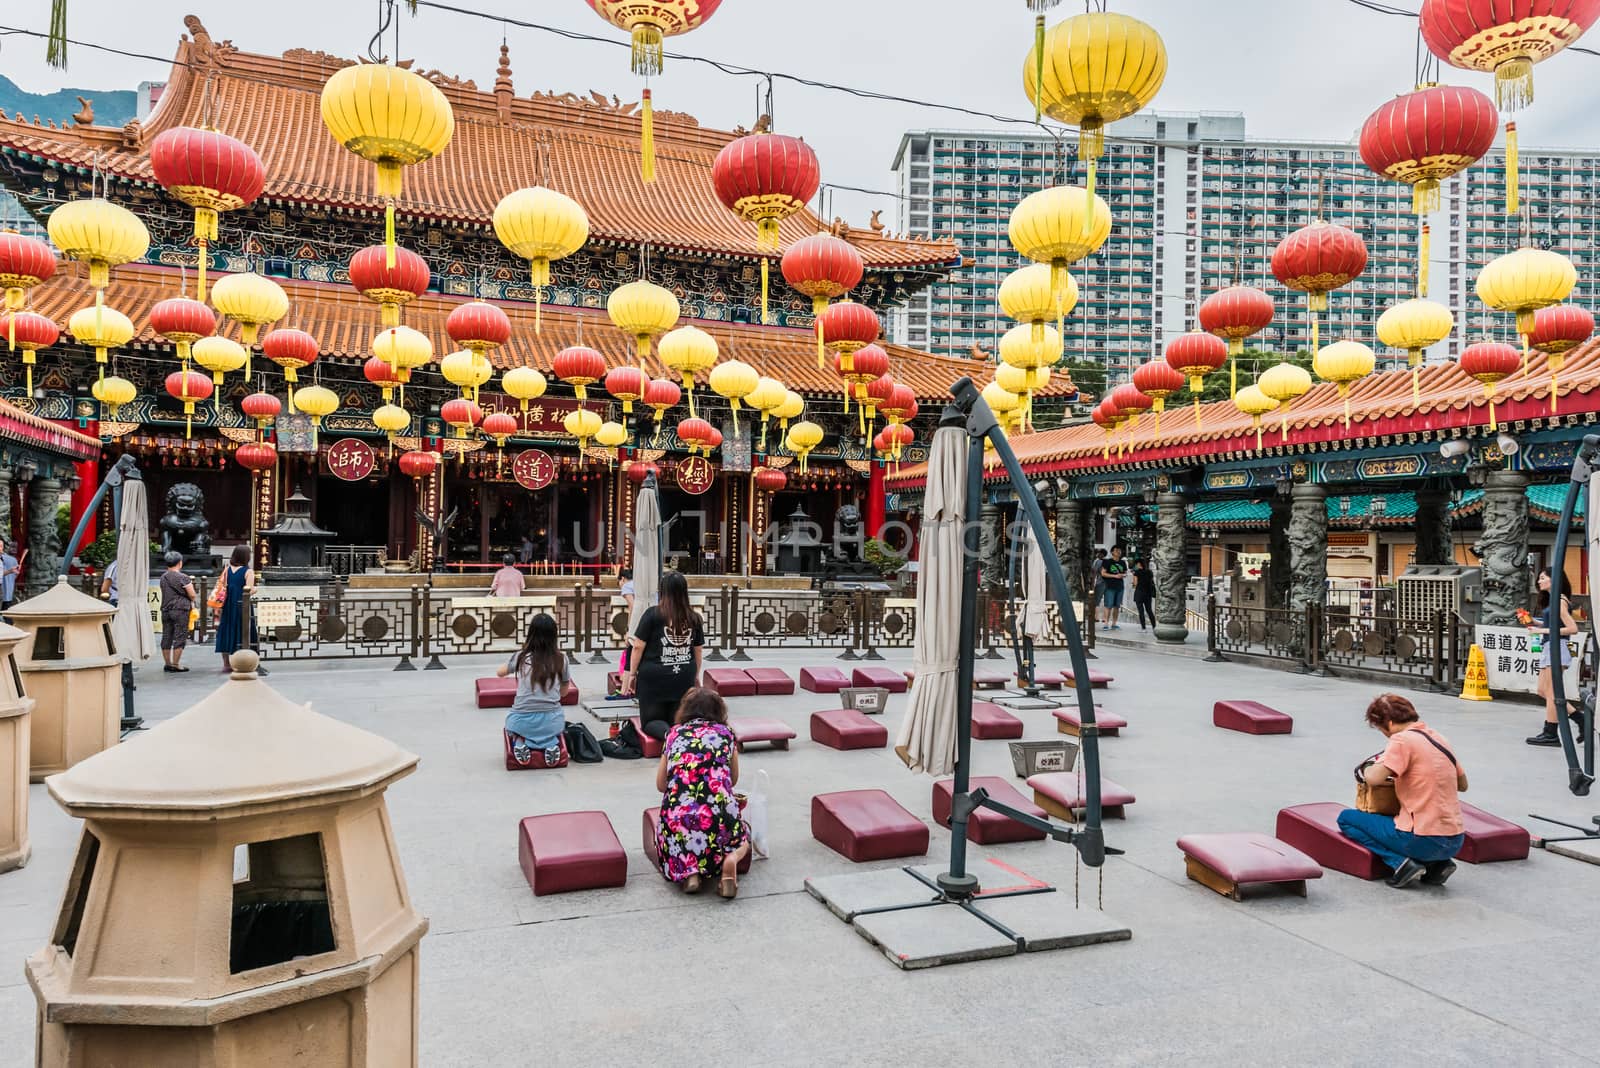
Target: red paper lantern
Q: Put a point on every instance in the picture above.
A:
(1195, 355)
(848, 326)
(770, 479)
(256, 456)
(190, 388)
(30, 332)
(1560, 328)
(1317, 259)
(262, 407)
(381, 373)
(822, 267)
(500, 426)
(659, 395)
(1157, 380)
(766, 178)
(418, 464)
(1490, 362)
(901, 406)
(640, 470)
(713, 441)
(1106, 416)
(24, 263)
(1424, 137)
(461, 414)
(390, 287)
(878, 392)
(626, 383)
(695, 433)
(579, 367)
(183, 321)
(1234, 314)
(209, 171)
(1130, 400)
(291, 350)
(478, 326)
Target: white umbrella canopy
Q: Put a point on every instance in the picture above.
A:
(927, 739)
(1591, 527)
(1035, 605)
(131, 625)
(646, 555)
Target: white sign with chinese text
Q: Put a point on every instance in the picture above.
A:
(1253, 564)
(1514, 666)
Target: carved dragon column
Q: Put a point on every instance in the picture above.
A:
(1308, 554)
(44, 542)
(1503, 547)
(1170, 561)
(1279, 573)
(1433, 528)
(991, 546)
(5, 506)
(1072, 538)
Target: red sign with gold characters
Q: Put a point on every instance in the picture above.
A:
(349, 459)
(694, 474)
(533, 469)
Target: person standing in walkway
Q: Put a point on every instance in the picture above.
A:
(1552, 628)
(1095, 567)
(664, 663)
(508, 581)
(1420, 842)
(1144, 592)
(177, 601)
(10, 568)
(234, 585)
(1113, 572)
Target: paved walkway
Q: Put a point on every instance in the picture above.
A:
(1492, 969)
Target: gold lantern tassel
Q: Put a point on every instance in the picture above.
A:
(1194, 389)
(1511, 157)
(1258, 433)
(818, 306)
(1038, 67)
(28, 366)
(1344, 394)
(1424, 251)
(647, 140)
(1284, 425)
(1555, 360)
(1524, 353)
(1416, 391)
(1158, 416)
(766, 318)
(388, 232)
(1488, 391)
(861, 418)
(690, 391)
(1233, 385)
(733, 406)
(1091, 142)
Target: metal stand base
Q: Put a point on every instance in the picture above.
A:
(131, 720)
(1585, 845)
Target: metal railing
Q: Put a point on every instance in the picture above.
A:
(347, 560)
(1328, 639)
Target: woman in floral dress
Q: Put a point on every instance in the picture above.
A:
(700, 835)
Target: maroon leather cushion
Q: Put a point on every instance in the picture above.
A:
(1066, 788)
(536, 761)
(569, 694)
(1487, 838)
(566, 851)
(867, 825)
(823, 679)
(729, 682)
(1250, 717)
(750, 730)
(1248, 857)
(893, 681)
(1096, 678)
(770, 682)
(495, 692)
(1108, 722)
(989, 678)
(985, 826)
(846, 728)
(652, 746)
(1314, 830)
(652, 820)
(989, 720)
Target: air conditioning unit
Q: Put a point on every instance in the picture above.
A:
(1426, 588)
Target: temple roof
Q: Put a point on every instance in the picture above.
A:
(588, 148)
(29, 429)
(1381, 409)
(344, 324)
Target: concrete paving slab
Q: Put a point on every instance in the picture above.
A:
(1048, 921)
(846, 895)
(1586, 849)
(914, 939)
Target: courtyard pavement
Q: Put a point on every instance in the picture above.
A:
(1491, 969)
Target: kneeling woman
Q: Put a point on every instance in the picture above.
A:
(536, 719)
(1419, 842)
(701, 835)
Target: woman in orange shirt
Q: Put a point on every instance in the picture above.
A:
(1419, 843)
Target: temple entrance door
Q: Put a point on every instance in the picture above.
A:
(358, 512)
(698, 516)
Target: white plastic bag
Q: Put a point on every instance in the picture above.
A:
(755, 815)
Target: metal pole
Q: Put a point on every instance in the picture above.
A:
(1579, 777)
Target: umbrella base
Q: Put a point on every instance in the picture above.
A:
(906, 914)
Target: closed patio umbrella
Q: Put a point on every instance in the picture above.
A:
(646, 553)
(131, 625)
(927, 739)
(1035, 604)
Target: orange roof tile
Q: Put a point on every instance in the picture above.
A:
(590, 149)
(1381, 408)
(344, 323)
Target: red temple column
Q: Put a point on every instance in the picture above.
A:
(88, 472)
(876, 500)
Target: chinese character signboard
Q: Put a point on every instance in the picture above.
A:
(349, 459)
(544, 416)
(1251, 565)
(533, 469)
(694, 474)
(1514, 666)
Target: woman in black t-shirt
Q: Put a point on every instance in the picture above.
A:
(665, 661)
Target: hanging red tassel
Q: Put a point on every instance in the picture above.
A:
(647, 140)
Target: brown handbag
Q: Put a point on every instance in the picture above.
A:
(1369, 798)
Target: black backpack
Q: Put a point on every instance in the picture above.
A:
(627, 745)
(583, 746)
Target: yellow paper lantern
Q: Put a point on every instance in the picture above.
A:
(688, 350)
(1254, 403)
(102, 234)
(402, 348)
(582, 424)
(644, 311)
(114, 392)
(390, 117)
(540, 225)
(1343, 363)
(466, 370)
(734, 380)
(219, 355)
(1013, 379)
(102, 329)
(1094, 69)
(252, 301)
(610, 435)
(1019, 348)
(1001, 401)
(766, 398)
(315, 401)
(801, 439)
(1059, 226)
(1523, 282)
(1028, 296)
(793, 407)
(1282, 383)
(391, 419)
(524, 384)
(1414, 325)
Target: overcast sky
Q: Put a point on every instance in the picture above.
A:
(1295, 68)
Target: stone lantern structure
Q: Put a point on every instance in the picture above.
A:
(70, 665)
(15, 712)
(237, 897)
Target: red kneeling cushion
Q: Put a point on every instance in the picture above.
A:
(823, 679)
(1066, 789)
(652, 821)
(986, 826)
(1097, 679)
(846, 728)
(1314, 830)
(770, 682)
(651, 746)
(1108, 722)
(495, 692)
(729, 682)
(1250, 717)
(989, 679)
(748, 730)
(1246, 857)
(866, 825)
(1487, 838)
(989, 720)
(893, 681)
(566, 851)
(536, 761)
(569, 693)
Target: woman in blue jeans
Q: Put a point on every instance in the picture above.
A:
(1420, 842)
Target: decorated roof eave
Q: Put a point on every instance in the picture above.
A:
(25, 428)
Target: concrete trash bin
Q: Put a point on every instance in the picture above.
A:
(237, 897)
(16, 709)
(70, 665)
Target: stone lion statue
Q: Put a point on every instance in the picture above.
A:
(184, 528)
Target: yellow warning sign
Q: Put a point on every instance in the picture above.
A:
(1476, 686)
